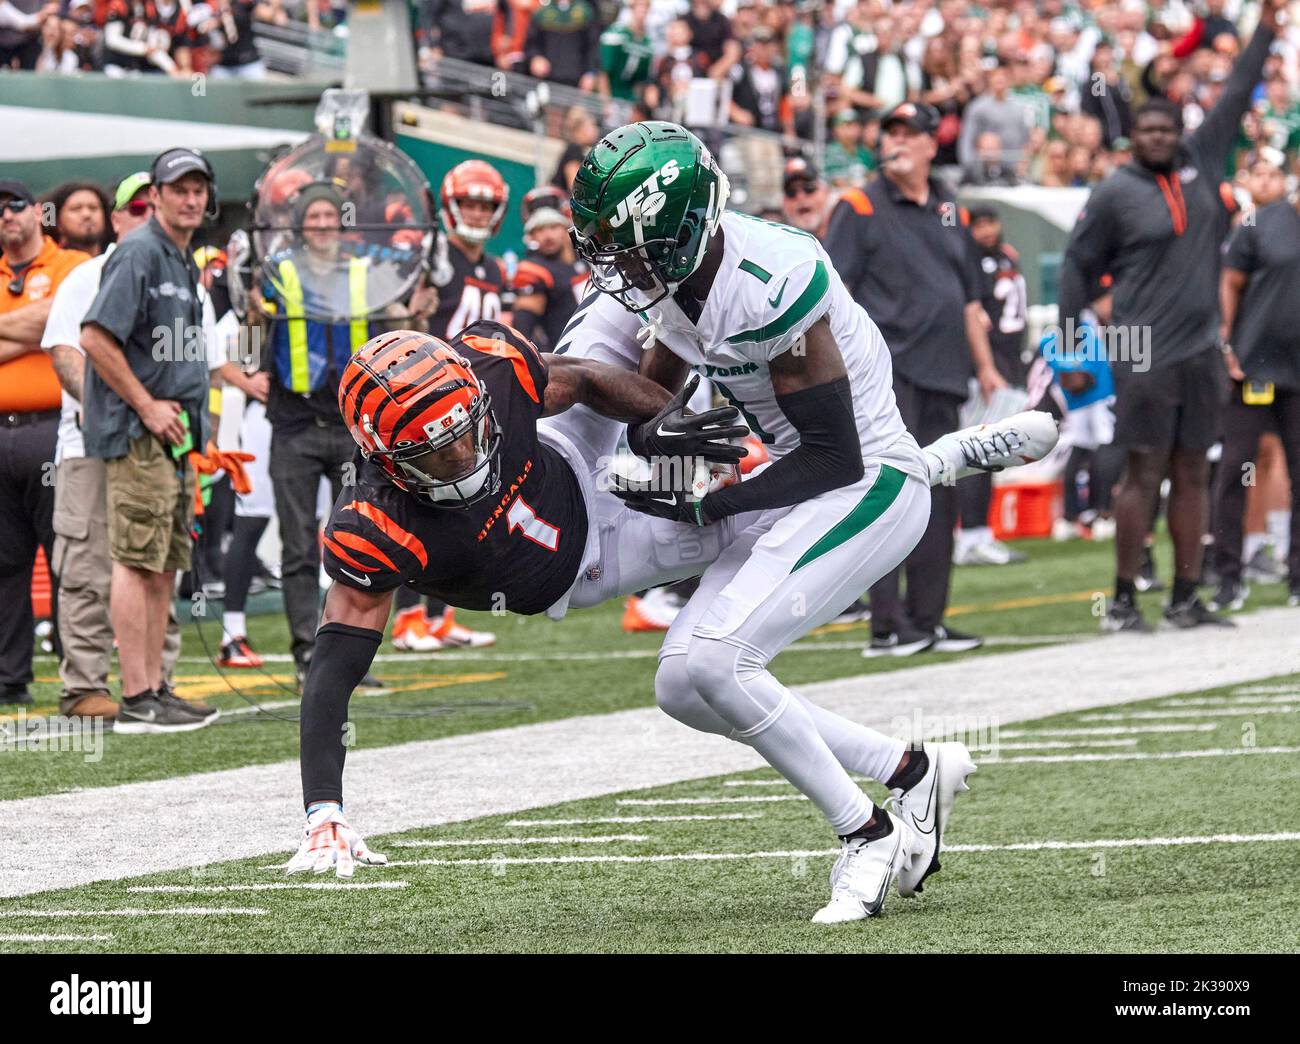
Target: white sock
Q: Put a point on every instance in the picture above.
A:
(1279, 528)
(234, 625)
(856, 747)
(1252, 543)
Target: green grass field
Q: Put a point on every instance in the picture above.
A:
(1200, 851)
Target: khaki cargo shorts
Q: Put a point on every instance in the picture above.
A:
(150, 508)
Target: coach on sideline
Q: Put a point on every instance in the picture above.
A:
(904, 253)
(145, 407)
(1259, 294)
(1155, 225)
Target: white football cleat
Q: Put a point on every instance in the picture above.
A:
(1019, 439)
(862, 874)
(926, 806)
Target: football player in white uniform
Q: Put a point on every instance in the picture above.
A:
(758, 309)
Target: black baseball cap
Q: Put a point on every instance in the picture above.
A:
(15, 188)
(799, 169)
(917, 115)
(174, 164)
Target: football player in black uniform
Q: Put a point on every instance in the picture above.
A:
(463, 497)
(550, 280)
(1005, 300)
(470, 284)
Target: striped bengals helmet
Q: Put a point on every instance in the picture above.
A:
(405, 395)
(473, 179)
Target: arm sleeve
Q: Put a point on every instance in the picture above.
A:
(1087, 255)
(1213, 139)
(829, 455)
(339, 661)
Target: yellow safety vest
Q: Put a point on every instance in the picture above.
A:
(290, 289)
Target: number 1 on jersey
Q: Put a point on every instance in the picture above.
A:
(522, 517)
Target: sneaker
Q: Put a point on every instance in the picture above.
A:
(1019, 439)
(1229, 596)
(1125, 617)
(1146, 579)
(215, 589)
(864, 871)
(926, 806)
(238, 653)
(452, 635)
(15, 694)
(653, 611)
(411, 632)
(907, 642)
(196, 707)
(152, 713)
(1103, 529)
(1263, 568)
(1192, 613)
(1063, 529)
(993, 553)
(858, 612)
(371, 685)
(949, 641)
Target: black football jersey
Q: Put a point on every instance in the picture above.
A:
(518, 550)
(473, 293)
(1006, 300)
(562, 282)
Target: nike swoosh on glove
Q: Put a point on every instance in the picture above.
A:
(675, 505)
(674, 432)
(329, 841)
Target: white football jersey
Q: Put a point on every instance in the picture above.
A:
(774, 283)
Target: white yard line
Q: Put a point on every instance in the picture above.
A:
(1258, 690)
(254, 811)
(277, 886)
(1167, 755)
(1110, 730)
(170, 911)
(1020, 846)
(42, 938)
(1230, 701)
(480, 842)
(1195, 712)
(606, 820)
(718, 800)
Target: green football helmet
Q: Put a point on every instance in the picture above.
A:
(645, 201)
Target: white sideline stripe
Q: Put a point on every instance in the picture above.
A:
(633, 819)
(170, 911)
(253, 812)
(719, 800)
(1020, 846)
(54, 938)
(1111, 730)
(1168, 755)
(1199, 712)
(479, 842)
(279, 886)
(1228, 701)
(1252, 690)
(1066, 744)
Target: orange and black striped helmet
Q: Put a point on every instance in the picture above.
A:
(406, 395)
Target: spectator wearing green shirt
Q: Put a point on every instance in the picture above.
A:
(847, 161)
(627, 53)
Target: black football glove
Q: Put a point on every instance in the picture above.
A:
(643, 496)
(676, 433)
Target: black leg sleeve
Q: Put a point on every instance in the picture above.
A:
(343, 655)
(241, 560)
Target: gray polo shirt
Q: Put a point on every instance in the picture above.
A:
(149, 301)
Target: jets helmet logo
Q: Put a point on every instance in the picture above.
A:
(646, 200)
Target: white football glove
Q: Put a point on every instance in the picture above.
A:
(328, 841)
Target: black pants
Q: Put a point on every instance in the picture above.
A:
(26, 522)
(241, 560)
(1243, 425)
(300, 456)
(974, 495)
(928, 415)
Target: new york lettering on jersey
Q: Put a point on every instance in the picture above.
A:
(473, 293)
(518, 549)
